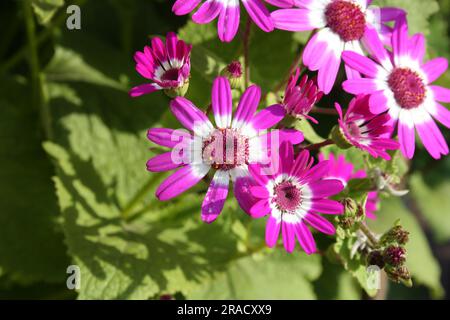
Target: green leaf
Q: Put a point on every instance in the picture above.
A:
(68, 65)
(434, 203)
(420, 260)
(419, 12)
(31, 241)
(308, 131)
(46, 9)
(276, 276)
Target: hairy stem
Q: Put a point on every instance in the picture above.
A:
(317, 146)
(39, 94)
(373, 242)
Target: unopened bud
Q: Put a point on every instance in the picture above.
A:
(396, 235)
(375, 258)
(350, 207)
(394, 255)
(399, 274)
(233, 72)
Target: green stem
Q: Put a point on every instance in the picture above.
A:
(40, 98)
(128, 210)
(317, 146)
(372, 240)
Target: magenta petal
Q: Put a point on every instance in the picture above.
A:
(376, 48)
(272, 231)
(292, 20)
(417, 47)
(207, 12)
(259, 14)
(328, 72)
(288, 233)
(190, 116)
(435, 68)
(182, 7)
(144, 89)
(163, 162)
(168, 137)
(228, 23)
(406, 134)
(320, 223)
(441, 114)
(360, 63)
(360, 86)
(180, 181)
(258, 173)
(327, 206)
(432, 138)
(318, 171)
(268, 117)
(260, 209)
(286, 154)
(325, 188)
(281, 3)
(222, 102)
(305, 238)
(247, 106)
(441, 94)
(215, 197)
(260, 192)
(378, 102)
(400, 39)
(243, 194)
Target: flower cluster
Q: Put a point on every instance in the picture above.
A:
(270, 167)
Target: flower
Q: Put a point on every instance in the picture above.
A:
(342, 25)
(233, 72)
(228, 148)
(228, 12)
(343, 171)
(168, 66)
(400, 82)
(300, 98)
(292, 195)
(363, 129)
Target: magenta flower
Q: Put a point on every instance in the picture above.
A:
(400, 83)
(340, 169)
(365, 130)
(292, 196)
(228, 12)
(342, 25)
(168, 66)
(229, 147)
(300, 97)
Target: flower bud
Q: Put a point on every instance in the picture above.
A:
(399, 274)
(350, 207)
(396, 235)
(375, 258)
(394, 255)
(233, 72)
(339, 138)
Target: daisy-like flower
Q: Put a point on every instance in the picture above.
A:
(300, 97)
(228, 148)
(400, 82)
(363, 129)
(343, 171)
(292, 196)
(342, 25)
(228, 12)
(167, 65)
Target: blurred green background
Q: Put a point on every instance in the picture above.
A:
(73, 184)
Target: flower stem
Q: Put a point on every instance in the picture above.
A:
(247, 33)
(326, 111)
(317, 146)
(373, 242)
(39, 95)
(128, 209)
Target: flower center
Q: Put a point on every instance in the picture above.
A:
(287, 196)
(226, 149)
(408, 88)
(346, 19)
(354, 129)
(170, 75)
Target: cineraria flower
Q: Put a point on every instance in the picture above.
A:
(300, 98)
(168, 66)
(342, 25)
(292, 195)
(343, 171)
(400, 83)
(363, 129)
(228, 148)
(228, 12)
